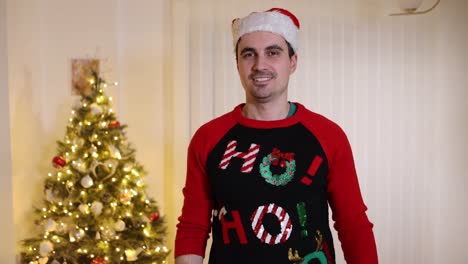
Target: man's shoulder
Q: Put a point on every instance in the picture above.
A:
(320, 124)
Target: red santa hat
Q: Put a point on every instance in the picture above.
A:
(276, 20)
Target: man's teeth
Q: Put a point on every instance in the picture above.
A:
(262, 79)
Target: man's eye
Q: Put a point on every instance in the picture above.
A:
(273, 53)
(247, 55)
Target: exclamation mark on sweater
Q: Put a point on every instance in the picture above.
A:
(301, 211)
(314, 166)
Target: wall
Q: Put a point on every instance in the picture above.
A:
(7, 245)
(395, 84)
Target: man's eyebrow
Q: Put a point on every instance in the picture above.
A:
(248, 49)
(276, 47)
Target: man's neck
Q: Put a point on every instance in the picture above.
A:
(267, 111)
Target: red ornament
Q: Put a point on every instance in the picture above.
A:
(114, 124)
(98, 260)
(58, 162)
(153, 217)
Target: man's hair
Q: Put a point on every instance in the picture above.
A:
(290, 49)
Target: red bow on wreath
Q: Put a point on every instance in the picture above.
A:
(280, 158)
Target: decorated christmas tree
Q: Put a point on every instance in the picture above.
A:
(95, 209)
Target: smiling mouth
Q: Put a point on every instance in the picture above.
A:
(261, 79)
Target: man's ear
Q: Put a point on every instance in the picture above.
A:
(293, 64)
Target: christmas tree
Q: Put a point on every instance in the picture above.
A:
(95, 209)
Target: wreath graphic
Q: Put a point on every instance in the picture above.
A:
(284, 160)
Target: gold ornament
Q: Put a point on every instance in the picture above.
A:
(76, 235)
(119, 225)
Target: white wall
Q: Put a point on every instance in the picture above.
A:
(7, 244)
(395, 84)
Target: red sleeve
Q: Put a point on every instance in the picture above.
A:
(348, 208)
(344, 195)
(195, 221)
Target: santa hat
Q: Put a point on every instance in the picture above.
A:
(276, 20)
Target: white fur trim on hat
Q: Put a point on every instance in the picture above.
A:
(270, 21)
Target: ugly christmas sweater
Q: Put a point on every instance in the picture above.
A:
(263, 189)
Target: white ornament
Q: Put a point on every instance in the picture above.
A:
(119, 225)
(84, 208)
(98, 236)
(131, 254)
(96, 109)
(115, 152)
(87, 181)
(50, 196)
(45, 248)
(50, 225)
(96, 208)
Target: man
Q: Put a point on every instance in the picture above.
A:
(262, 176)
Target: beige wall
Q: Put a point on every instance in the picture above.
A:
(395, 84)
(7, 244)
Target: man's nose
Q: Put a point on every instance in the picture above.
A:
(260, 63)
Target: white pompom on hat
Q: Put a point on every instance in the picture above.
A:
(276, 20)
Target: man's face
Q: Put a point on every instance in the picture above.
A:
(264, 66)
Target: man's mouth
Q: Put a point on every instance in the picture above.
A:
(262, 78)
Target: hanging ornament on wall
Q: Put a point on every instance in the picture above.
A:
(96, 208)
(58, 162)
(45, 248)
(114, 124)
(50, 225)
(86, 181)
